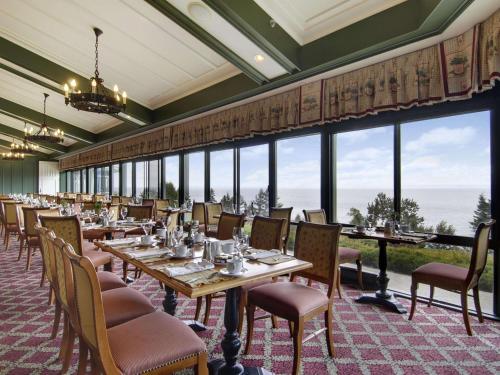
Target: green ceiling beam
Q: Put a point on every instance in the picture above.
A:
(37, 64)
(11, 132)
(70, 131)
(255, 24)
(199, 33)
(6, 145)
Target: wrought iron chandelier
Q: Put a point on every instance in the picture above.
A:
(44, 134)
(99, 99)
(25, 147)
(14, 154)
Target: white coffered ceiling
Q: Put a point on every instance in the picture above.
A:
(308, 20)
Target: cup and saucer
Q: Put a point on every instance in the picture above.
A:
(359, 229)
(181, 251)
(147, 241)
(234, 268)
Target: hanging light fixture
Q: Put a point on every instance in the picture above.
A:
(99, 99)
(27, 147)
(14, 154)
(44, 134)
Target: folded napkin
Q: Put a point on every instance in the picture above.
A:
(119, 242)
(260, 254)
(174, 271)
(142, 254)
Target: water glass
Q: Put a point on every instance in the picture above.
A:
(178, 234)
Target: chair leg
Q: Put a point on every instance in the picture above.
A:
(359, 266)
(290, 328)
(201, 367)
(337, 282)
(57, 318)
(124, 270)
(199, 301)
(64, 341)
(297, 345)
(83, 356)
(309, 282)
(21, 246)
(250, 321)
(477, 304)
(329, 330)
(70, 344)
(414, 287)
(42, 280)
(28, 260)
(274, 321)
(465, 312)
(208, 307)
(7, 238)
(431, 295)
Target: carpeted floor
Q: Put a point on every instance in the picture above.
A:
(368, 340)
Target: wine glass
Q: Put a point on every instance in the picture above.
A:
(178, 234)
(123, 212)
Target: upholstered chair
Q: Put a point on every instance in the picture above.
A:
(199, 213)
(68, 201)
(226, 224)
(153, 351)
(125, 200)
(98, 197)
(298, 303)
(455, 278)
(143, 212)
(161, 204)
(12, 225)
(31, 238)
(68, 228)
(171, 219)
(115, 199)
(212, 217)
(121, 304)
(346, 254)
(283, 213)
(148, 202)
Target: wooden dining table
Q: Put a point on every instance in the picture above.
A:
(382, 296)
(190, 287)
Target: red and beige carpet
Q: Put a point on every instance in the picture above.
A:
(368, 340)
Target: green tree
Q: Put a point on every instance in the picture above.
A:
(171, 192)
(187, 200)
(357, 217)
(211, 196)
(227, 202)
(444, 228)
(381, 209)
(482, 212)
(261, 203)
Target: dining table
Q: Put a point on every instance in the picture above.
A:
(383, 296)
(206, 282)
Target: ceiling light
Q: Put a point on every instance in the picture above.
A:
(258, 58)
(44, 134)
(199, 11)
(98, 99)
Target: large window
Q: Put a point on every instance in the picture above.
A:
(154, 179)
(102, 180)
(221, 178)
(84, 181)
(115, 175)
(364, 180)
(69, 181)
(91, 181)
(195, 165)
(140, 179)
(126, 179)
(171, 177)
(77, 181)
(254, 179)
(298, 174)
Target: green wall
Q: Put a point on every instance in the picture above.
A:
(19, 176)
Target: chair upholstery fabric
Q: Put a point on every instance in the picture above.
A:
(226, 224)
(442, 275)
(109, 280)
(124, 304)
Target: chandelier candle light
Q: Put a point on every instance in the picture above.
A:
(99, 99)
(44, 134)
(15, 152)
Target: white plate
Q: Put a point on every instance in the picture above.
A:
(188, 255)
(225, 272)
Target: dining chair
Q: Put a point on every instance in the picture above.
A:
(121, 304)
(346, 254)
(162, 344)
(148, 202)
(98, 197)
(30, 235)
(199, 213)
(455, 278)
(125, 200)
(224, 232)
(68, 201)
(12, 226)
(161, 204)
(69, 229)
(298, 303)
(212, 217)
(115, 199)
(283, 213)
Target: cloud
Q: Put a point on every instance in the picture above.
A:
(423, 162)
(360, 135)
(302, 174)
(441, 136)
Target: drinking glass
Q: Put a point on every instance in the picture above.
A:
(123, 212)
(178, 234)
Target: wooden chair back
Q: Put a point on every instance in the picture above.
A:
(315, 216)
(125, 200)
(212, 210)
(171, 219)
(67, 201)
(140, 212)
(31, 219)
(115, 199)
(10, 212)
(148, 202)
(283, 213)
(267, 233)
(43, 233)
(66, 227)
(47, 212)
(114, 211)
(161, 204)
(226, 224)
(98, 197)
(198, 212)
(479, 255)
(56, 244)
(318, 244)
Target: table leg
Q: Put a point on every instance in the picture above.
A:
(382, 296)
(231, 342)
(170, 305)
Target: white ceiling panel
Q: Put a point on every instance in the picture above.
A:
(9, 139)
(231, 37)
(30, 94)
(141, 50)
(306, 20)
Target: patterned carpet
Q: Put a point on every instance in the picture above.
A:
(368, 340)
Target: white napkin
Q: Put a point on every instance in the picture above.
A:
(189, 268)
(141, 254)
(119, 242)
(259, 254)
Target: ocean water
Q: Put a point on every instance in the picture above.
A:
(456, 206)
